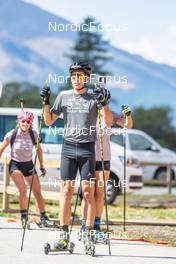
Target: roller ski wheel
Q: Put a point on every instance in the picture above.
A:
(47, 248)
(89, 248)
(89, 243)
(59, 247)
(71, 247)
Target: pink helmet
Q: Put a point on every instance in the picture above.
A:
(25, 114)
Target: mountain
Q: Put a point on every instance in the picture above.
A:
(22, 63)
(29, 51)
(150, 83)
(24, 21)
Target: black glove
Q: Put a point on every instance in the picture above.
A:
(126, 110)
(107, 95)
(43, 171)
(102, 95)
(45, 94)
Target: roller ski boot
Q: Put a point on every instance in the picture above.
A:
(62, 245)
(44, 221)
(24, 219)
(88, 239)
(101, 237)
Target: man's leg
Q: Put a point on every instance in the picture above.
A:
(88, 188)
(87, 172)
(68, 175)
(67, 191)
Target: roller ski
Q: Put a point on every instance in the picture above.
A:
(57, 248)
(62, 245)
(88, 239)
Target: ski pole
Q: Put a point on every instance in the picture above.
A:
(22, 102)
(104, 181)
(124, 184)
(33, 172)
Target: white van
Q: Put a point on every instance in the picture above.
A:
(52, 145)
(148, 150)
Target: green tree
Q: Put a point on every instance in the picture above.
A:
(14, 90)
(91, 47)
(157, 122)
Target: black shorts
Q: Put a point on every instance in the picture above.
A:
(25, 167)
(79, 156)
(98, 166)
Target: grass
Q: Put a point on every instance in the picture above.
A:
(159, 183)
(156, 233)
(116, 211)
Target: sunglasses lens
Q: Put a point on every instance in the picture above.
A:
(27, 121)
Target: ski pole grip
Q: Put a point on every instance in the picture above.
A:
(45, 100)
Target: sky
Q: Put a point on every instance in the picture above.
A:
(144, 27)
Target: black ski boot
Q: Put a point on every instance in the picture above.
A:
(24, 219)
(63, 241)
(44, 220)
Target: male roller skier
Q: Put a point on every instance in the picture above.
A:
(79, 108)
(119, 120)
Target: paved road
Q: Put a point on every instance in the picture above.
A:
(122, 252)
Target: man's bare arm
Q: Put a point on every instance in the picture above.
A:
(49, 117)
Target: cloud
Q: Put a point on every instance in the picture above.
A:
(161, 48)
(5, 60)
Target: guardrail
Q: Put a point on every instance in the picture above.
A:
(168, 171)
